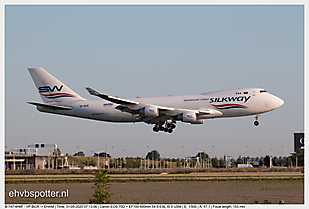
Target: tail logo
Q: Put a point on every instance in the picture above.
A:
(47, 92)
(43, 89)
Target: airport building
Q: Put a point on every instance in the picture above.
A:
(17, 161)
(21, 161)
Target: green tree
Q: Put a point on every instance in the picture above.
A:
(221, 161)
(153, 154)
(283, 161)
(288, 161)
(239, 160)
(261, 162)
(202, 155)
(133, 162)
(266, 161)
(214, 161)
(79, 153)
(275, 161)
(300, 157)
(102, 194)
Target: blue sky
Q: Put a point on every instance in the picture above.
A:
(131, 51)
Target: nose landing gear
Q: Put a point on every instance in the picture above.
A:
(256, 122)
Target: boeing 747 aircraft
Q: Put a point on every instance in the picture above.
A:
(161, 112)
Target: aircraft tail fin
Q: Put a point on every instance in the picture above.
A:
(51, 89)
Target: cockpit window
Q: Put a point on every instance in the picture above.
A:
(263, 91)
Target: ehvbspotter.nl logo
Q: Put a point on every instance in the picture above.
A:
(39, 194)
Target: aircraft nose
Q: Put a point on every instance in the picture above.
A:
(280, 101)
(274, 102)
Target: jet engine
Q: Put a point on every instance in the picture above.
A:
(149, 111)
(189, 117)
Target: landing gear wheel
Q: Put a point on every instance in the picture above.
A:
(256, 122)
(165, 129)
(155, 129)
(170, 130)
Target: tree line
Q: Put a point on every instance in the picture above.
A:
(153, 160)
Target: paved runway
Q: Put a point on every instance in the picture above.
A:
(197, 176)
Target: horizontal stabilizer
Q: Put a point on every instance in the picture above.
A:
(50, 106)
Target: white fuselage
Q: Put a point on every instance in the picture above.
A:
(231, 103)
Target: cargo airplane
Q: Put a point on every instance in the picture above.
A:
(161, 112)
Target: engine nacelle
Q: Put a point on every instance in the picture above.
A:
(149, 111)
(189, 117)
(198, 121)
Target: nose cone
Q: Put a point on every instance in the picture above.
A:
(276, 102)
(280, 101)
(271, 102)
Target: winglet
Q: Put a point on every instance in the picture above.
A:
(92, 91)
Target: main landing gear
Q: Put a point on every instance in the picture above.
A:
(256, 122)
(168, 126)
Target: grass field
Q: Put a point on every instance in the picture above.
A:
(207, 192)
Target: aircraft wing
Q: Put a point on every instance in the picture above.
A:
(133, 107)
(116, 100)
(50, 106)
(124, 103)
